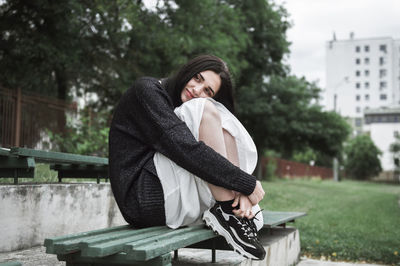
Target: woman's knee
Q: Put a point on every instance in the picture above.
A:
(210, 113)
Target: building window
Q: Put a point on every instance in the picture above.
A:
(358, 121)
(366, 48)
(382, 48)
(358, 109)
(382, 73)
(382, 60)
(357, 85)
(367, 97)
(366, 61)
(357, 97)
(366, 72)
(382, 84)
(396, 134)
(366, 85)
(383, 97)
(358, 49)
(358, 61)
(358, 73)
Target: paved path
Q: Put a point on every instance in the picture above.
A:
(37, 256)
(311, 262)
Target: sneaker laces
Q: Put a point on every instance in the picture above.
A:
(252, 224)
(246, 227)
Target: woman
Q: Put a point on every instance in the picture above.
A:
(145, 128)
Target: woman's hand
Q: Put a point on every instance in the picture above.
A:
(257, 195)
(245, 206)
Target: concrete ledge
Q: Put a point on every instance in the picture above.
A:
(282, 247)
(31, 213)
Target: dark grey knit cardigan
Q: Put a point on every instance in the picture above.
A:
(143, 123)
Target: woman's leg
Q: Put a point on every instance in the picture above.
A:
(212, 134)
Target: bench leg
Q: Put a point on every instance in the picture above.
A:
(213, 257)
(175, 254)
(15, 177)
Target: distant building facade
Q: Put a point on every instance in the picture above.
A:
(363, 85)
(383, 125)
(362, 74)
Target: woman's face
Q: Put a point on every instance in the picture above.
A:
(203, 85)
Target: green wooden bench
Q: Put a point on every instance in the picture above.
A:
(13, 166)
(20, 162)
(124, 245)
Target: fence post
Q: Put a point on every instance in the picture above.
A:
(18, 118)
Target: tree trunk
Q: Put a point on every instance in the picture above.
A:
(62, 90)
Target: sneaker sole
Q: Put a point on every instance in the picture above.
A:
(212, 222)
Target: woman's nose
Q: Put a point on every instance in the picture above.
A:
(197, 90)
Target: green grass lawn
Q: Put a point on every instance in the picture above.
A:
(347, 220)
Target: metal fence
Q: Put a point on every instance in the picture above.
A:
(25, 118)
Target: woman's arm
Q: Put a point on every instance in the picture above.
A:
(148, 107)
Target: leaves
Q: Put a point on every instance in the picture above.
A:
(101, 47)
(362, 160)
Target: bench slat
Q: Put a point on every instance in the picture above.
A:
(4, 152)
(75, 244)
(155, 246)
(105, 247)
(51, 156)
(274, 218)
(73, 240)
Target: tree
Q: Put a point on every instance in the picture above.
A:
(395, 150)
(103, 46)
(362, 158)
(283, 116)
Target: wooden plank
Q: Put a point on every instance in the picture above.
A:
(16, 162)
(58, 157)
(4, 152)
(11, 167)
(112, 244)
(74, 239)
(274, 218)
(152, 247)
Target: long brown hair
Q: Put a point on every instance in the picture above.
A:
(177, 82)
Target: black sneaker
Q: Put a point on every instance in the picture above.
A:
(238, 232)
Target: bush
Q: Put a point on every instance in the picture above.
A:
(362, 158)
(88, 135)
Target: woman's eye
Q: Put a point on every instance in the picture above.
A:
(197, 77)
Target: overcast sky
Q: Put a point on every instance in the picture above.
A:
(314, 22)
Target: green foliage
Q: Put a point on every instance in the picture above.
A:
(305, 156)
(88, 135)
(395, 150)
(281, 115)
(362, 158)
(346, 221)
(103, 46)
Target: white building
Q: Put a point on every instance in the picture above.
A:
(362, 74)
(363, 85)
(383, 125)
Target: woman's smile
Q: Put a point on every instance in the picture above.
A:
(189, 94)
